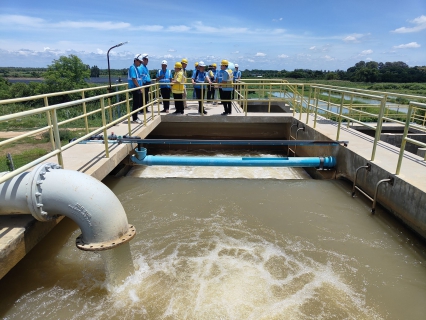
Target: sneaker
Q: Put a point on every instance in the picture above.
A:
(224, 114)
(137, 121)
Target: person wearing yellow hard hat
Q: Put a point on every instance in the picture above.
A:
(224, 80)
(184, 63)
(211, 90)
(178, 88)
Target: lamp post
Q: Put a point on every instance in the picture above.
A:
(109, 70)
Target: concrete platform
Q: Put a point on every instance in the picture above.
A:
(18, 234)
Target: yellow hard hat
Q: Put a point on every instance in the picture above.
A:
(224, 63)
(196, 63)
(214, 65)
(178, 65)
(184, 61)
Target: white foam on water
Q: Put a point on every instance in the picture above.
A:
(216, 172)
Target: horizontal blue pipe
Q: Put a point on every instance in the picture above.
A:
(317, 162)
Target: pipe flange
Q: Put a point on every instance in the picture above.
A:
(101, 246)
(35, 192)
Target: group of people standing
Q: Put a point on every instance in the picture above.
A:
(174, 83)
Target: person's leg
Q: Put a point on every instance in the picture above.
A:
(227, 104)
(146, 101)
(137, 103)
(198, 96)
(165, 93)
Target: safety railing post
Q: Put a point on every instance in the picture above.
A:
(301, 103)
(379, 127)
(269, 98)
(129, 127)
(110, 110)
(57, 136)
(86, 121)
(105, 129)
(316, 94)
(350, 109)
(308, 107)
(340, 116)
(404, 137)
(49, 122)
(144, 106)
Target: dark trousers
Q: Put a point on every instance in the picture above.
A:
(210, 93)
(226, 95)
(178, 104)
(198, 95)
(146, 95)
(165, 93)
(137, 103)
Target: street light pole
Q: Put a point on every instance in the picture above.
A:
(109, 70)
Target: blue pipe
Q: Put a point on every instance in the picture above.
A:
(317, 162)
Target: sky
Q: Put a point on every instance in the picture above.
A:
(262, 34)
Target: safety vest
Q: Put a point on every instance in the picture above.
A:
(165, 82)
(178, 87)
(138, 77)
(228, 83)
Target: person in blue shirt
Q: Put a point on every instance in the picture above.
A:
(164, 77)
(134, 80)
(237, 77)
(146, 79)
(198, 78)
(194, 96)
(224, 82)
(211, 89)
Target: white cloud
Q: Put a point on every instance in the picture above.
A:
(312, 48)
(408, 45)
(355, 37)
(10, 19)
(46, 49)
(328, 58)
(100, 51)
(180, 28)
(366, 52)
(283, 56)
(419, 22)
(168, 56)
(105, 25)
(250, 60)
(260, 54)
(171, 50)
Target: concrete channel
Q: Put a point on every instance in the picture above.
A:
(405, 197)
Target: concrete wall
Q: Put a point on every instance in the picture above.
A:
(402, 199)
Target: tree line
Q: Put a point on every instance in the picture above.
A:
(69, 73)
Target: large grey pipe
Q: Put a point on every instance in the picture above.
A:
(47, 192)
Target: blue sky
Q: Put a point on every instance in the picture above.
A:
(263, 34)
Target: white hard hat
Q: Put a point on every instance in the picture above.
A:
(144, 55)
(201, 64)
(164, 62)
(138, 57)
(236, 65)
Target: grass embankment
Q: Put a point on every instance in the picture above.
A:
(31, 148)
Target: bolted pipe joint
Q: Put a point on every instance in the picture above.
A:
(47, 192)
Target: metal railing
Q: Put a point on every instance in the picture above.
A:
(304, 98)
(405, 139)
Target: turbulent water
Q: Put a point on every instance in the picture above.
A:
(231, 249)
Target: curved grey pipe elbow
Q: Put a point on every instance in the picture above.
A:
(47, 192)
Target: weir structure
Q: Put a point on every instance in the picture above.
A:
(263, 110)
